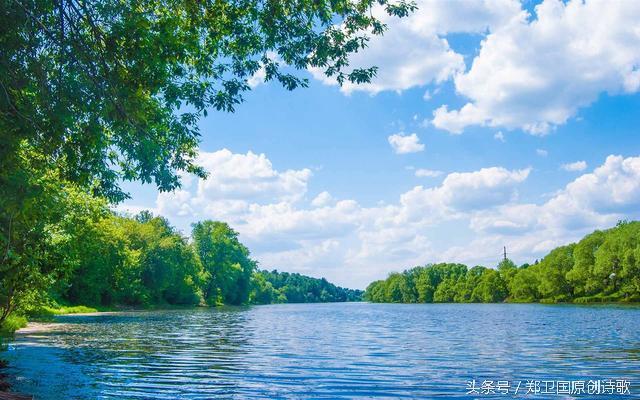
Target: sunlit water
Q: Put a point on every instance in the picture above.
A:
(354, 350)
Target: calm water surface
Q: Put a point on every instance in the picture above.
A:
(354, 350)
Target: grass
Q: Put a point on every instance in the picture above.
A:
(71, 310)
(48, 312)
(11, 324)
(45, 313)
(600, 298)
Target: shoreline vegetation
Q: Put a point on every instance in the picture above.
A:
(140, 263)
(103, 262)
(114, 94)
(603, 267)
(120, 263)
(111, 262)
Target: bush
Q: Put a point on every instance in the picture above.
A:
(46, 312)
(11, 324)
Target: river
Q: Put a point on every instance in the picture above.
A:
(340, 350)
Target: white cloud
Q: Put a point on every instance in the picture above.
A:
(613, 187)
(339, 239)
(258, 78)
(248, 177)
(466, 218)
(403, 144)
(535, 73)
(427, 173)
(542, 152)
(575, 166)
(592, 201)
(499, 136)
(413, 51)
(465, 191)
(455, 121)
(321, 200)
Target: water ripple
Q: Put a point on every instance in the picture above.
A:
(325, 351)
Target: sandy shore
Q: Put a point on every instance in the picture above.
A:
(40, 327)
(36, 327)
(31, 334)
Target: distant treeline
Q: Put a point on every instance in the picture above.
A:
(603, 267)
(283, 287)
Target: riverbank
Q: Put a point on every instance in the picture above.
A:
(43, 323)
(325, 351)
(31, 328)
(5, 386)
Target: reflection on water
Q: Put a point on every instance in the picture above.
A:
(325, 351)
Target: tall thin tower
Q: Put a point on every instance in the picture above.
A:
(505, 253)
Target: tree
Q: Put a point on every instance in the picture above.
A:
(226, 263)
(375, 292)
(466, 285)
(523, 287)
(508, 270)
(425, 285)
(616, 262)
(581, 275)
(133, 261)
(446, 291)
(397, 289)
(603, 266)
(39, 246)
(114, 90)
(262, 291)
(491, 288)
(553, 270)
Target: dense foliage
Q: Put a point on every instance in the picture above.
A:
(603, 266)
(108, 260)
(284, 287)
(132, 261)
(114, 89)
(96, 93)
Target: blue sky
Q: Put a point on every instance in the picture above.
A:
(501, 124)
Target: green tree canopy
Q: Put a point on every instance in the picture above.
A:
(96, 93)
(226, 263)
(603, 266)
(114, 90)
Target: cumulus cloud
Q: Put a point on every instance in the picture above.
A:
(542, 152)
(321, 200)
(466, 218)
(532, 71)
(427, 173)
(337, 238)
(575, 166)
(248, 177)
(414, 50)
(463, 192)
(592, 201)
(403, 144)
(259, 77)
(613, 187)
(535, 73)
